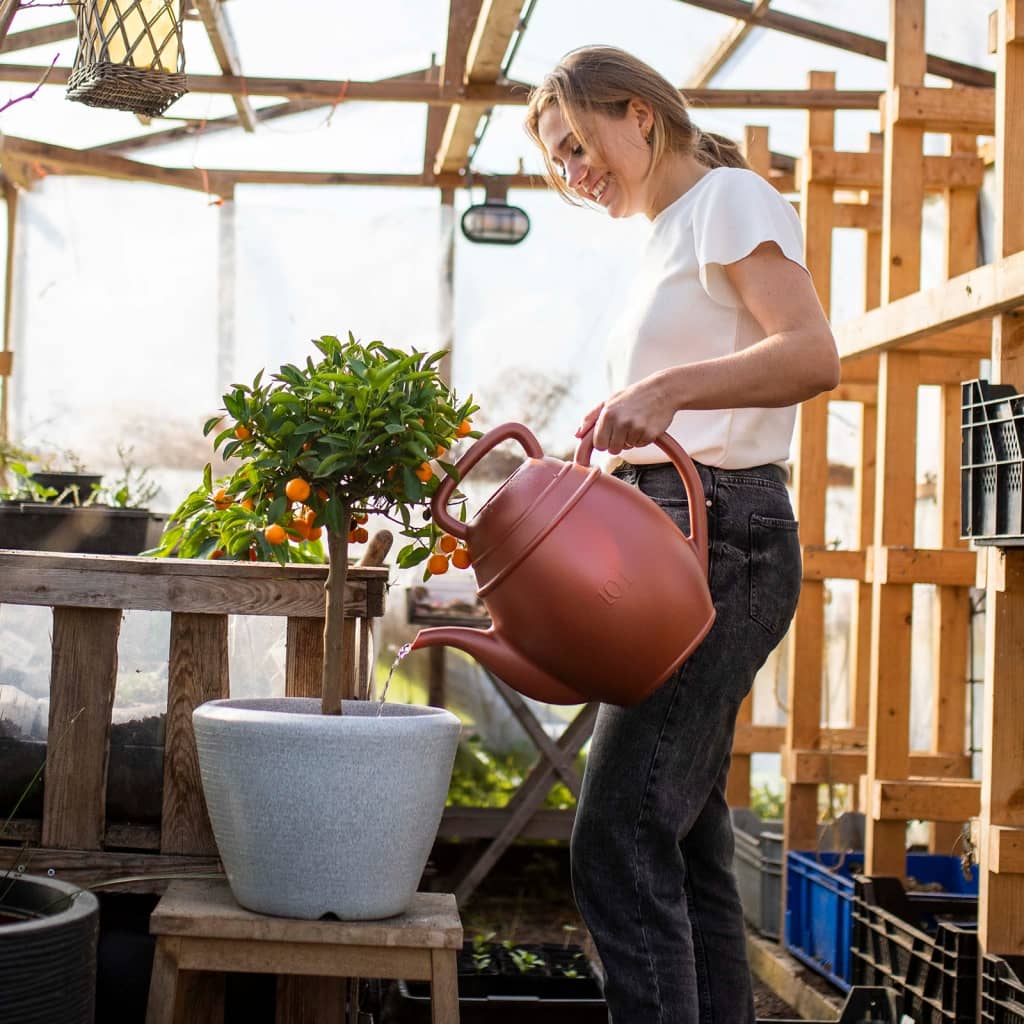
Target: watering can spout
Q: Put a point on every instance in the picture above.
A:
(503, 661)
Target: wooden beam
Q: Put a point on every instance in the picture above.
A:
(6, 355)
(39, 37)
(820, 766)
(727, 46)
(751, 738)
(8, 8)
(925, 800)
(1005, 850)
(842, 39)
(951, 567)
(222, 39)
(823, 563)
(460, 121)
(850, 170)
(987, 291)
(507, 94)
(960, 108)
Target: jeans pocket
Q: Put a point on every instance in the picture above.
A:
(775, 571)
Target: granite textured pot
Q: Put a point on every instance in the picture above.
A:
(316, 814)
(48, 934)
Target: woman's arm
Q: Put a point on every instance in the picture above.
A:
(796, 360)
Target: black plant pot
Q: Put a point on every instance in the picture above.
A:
(48, 935)
(84, 483)
(87, 530)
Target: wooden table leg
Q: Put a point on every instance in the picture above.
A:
(444, 987)
(200, 997)
(310, 999)
(163, 982)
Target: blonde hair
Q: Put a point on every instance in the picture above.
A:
(603, 80)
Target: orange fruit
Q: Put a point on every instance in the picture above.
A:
(248, 504)
(252, 555)
(297, 489)
(221, 499)
(362, 534)
(463, 428)
(461, 559)
(437, 564)
(307, 446)
(441, 450)
(351, 536)
(448, 543)
(217, 553)
(321, 494)
(301, 527)
(314, 533)
(360, 517)
(275, 533)
(424, 472)
(242, 432)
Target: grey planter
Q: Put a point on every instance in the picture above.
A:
(316, 814)
(48, 935)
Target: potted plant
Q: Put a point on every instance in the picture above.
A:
(56, 510)
(326, 806)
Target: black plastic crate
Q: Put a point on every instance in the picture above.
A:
(922, 945)
(1002, 990)
(992, 463)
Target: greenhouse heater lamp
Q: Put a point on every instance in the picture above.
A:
(494, 222)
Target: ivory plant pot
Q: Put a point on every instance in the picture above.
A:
(316, 814)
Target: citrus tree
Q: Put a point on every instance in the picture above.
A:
(363, 429)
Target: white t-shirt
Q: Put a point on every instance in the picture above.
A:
(682, 309)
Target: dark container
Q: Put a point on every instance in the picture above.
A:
(1002, 989)
(922, 945)
(48, 935)
(87, 530)
(81, 483)
(991, 463)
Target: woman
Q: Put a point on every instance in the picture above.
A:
(719, 339)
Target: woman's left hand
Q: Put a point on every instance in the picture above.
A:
(630, 418)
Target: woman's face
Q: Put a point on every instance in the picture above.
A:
(614, 174)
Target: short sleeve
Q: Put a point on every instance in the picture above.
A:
(734, 213)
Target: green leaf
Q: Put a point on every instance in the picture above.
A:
(277, 508)
(212, 422)
(414, 557)
(208, 478)
(451, 469)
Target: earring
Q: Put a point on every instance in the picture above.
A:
(647, 138)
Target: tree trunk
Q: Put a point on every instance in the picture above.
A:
(335, 655)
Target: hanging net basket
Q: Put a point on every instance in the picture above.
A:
(130, 55)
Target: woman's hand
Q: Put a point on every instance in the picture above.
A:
(630, 418)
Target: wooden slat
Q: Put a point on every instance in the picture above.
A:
(842, 39)
(821, 563)
(488, 822)
(756, 739)
(724, 49)
(222, 39)
(847, 766)
(304, 658)
(989, 290)
(83, 675)
(1005, 850)
(954, 567)
(506, 94)
(42, 36)
(197, 672)
(181, 585)
(925, 800)
(851, 170)
(960, 108)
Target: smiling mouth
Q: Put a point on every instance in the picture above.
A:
(599, 189)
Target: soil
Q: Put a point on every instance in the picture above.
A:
(527, 899)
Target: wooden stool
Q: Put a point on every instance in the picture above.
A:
(200, 928)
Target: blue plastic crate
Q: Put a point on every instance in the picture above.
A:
(820, 898)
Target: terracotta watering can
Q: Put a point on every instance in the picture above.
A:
(593, 592)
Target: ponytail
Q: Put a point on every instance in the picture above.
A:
(715, 150)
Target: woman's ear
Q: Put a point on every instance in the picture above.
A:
(643, 115)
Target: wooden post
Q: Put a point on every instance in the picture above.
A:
(197, 671)
(6, 355)
(737, 790)
(811, 480)
(83, 674)
(1001, 902)
(892, 603)
(952, 617)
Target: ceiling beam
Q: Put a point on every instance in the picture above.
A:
(39, 37)
(8, 8)
(727, 46)
(495, 25)
(842, 39)
(222, 40)
(507, 94)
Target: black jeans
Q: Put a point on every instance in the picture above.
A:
(652, 845)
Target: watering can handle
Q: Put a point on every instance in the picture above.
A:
(698, 538)
(490, 440)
